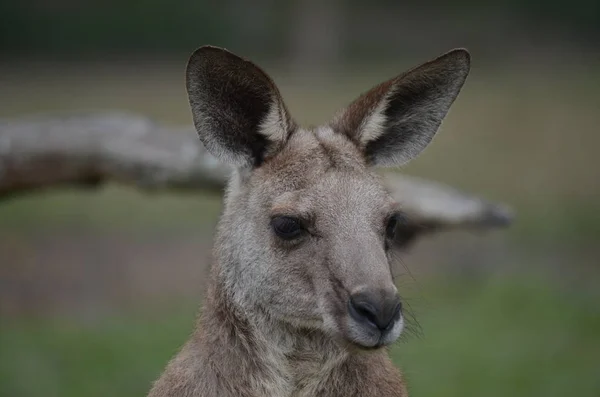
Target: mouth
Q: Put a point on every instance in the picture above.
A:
(377, 346)
(367, 338)
(359, 346)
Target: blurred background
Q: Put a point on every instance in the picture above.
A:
(98, 289)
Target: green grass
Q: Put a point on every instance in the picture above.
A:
(504, 337)
(117, 356)
(109, 208)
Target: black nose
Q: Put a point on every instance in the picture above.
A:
(380, 313)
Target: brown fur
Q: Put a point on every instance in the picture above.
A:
(276, 318)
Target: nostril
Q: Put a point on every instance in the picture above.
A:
(395, 314)
(364, 311)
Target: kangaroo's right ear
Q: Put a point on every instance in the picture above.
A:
(237, 109)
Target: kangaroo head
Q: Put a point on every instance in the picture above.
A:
(305, 235)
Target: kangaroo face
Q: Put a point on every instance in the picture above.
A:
(307, 226)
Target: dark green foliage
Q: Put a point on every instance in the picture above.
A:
(95, 28)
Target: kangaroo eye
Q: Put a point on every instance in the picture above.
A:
(286, 227)
(392, 223)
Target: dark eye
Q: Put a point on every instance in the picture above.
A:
(392, 223)
(286, 227)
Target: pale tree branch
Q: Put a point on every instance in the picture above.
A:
(89, 149)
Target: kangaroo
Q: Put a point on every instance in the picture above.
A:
(301, 300)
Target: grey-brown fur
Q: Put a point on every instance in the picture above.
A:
(276, 318)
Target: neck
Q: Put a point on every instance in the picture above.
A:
(275, 355)
(235, 352)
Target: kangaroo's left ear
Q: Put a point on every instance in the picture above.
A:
(393, 122)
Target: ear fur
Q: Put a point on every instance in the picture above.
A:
(394, 122)
(237, 109)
